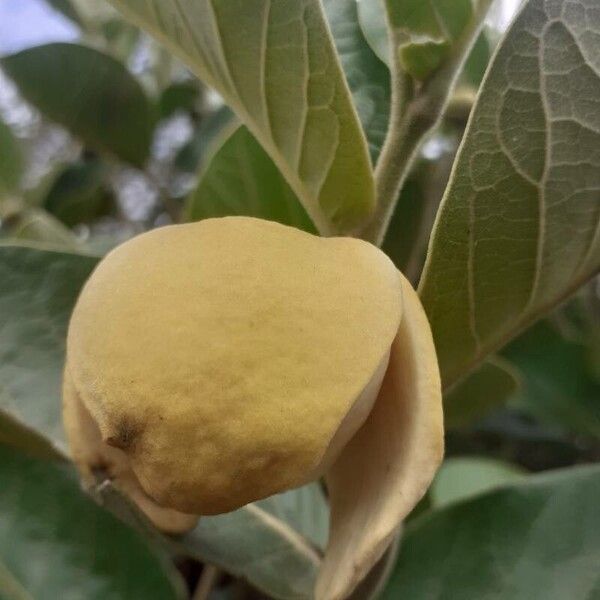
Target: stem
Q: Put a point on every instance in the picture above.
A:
(209, 578)
(411, 119)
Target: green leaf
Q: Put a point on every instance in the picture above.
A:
(518, 229)
(490, 386)
(36, 298)
(11, 160)
(241, 179)
(274, 63)
(367, 76)
(559, 384)
(539, 538)
(460, 478)
(274, 544)
(371, 17)
(88, 92)
(79, 194)
(56, 543)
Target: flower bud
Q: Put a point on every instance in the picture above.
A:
(213, 364)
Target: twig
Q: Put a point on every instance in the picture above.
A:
(413, 118)
(209, 578)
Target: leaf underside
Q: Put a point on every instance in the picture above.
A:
(519, 226)
(274, 63)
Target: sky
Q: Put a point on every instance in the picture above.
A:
(25, 23)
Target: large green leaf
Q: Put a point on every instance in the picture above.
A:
(519, 226)
(367, 76)
(276, 66)
(559, 384)
(274, 543)
(56, 543)
(11, 160)
(241, 179)
(38, 291)
(90, 93)
(489, 386)
(539, 539)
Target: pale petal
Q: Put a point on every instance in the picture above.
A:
(387, 467)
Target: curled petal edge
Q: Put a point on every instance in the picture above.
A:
(388, 465)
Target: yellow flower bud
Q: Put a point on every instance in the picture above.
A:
(217, 363)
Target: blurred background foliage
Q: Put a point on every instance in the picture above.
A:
(103, 135)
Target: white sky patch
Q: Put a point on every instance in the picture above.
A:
(26, 23)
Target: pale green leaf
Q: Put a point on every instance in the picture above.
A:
(38, 292)
(534, 539)
(56, 543)
(489, 386)
(519, 226)
(367, 76)
(275, 64)
(460, 478)
(88, 92)
(241, 179)
(275, 544)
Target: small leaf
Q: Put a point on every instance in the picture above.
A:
(367, 76)
(559, 384)
(38, 293)
(241, 179)
(89, 93)
(423, 31)
(275, 544)
(274, 63)
(11, 160)
(464, 477)
(538, 538)
(371, 17)
(36, 225)
(490, 386)
(56, 543)
(518, 229)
